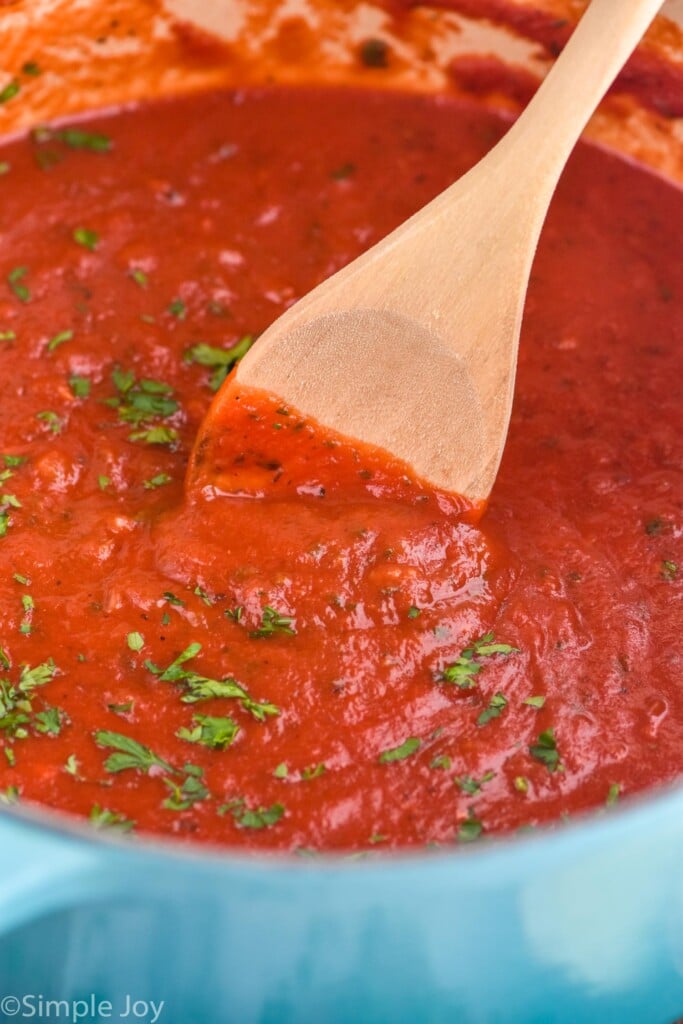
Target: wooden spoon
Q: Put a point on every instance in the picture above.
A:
(413, 346)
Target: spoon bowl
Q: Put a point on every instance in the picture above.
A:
(412, 348)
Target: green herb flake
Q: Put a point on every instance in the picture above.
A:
(220, 360)
(80, 386)
(463, 671)
(264, 817)
(135, 641)
(199, 687)
(129, 754)
(139, 276)
(668, 570)
(74, 138)
(470, 829)
(273, 623)
(72, 766)
(172, 599)
(140, 402)
(441, 763)
(23, 580)
(103, 818)
(190, 791)
(495, 708)
(59, 339)
(413, 612)
(178, 309)
(9, 91)
(406, 749)
(282, 771)
(234, 613)
(122, 709)
(51, 420)
(215, 733)
(202, 594)
(613, 794)
(31, 69)
(9, 795)
(545, 750)
(5, 168)
(103, 482)
(15, 282)
(534, 702)
(156, 481)
(86, 237)
(468, 784)
(49, 721)
(521, 784)
(314, 771)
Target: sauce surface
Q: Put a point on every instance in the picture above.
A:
(317, 651)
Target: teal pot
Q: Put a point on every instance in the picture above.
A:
(581, 924)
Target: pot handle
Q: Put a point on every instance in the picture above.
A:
(42, 870)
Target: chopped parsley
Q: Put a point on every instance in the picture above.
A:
(190, 791)
(140, 403)
(273, 623)
(103, 818)
(156, 481)
(54, 423)
(464, 670)
(534, 702)
(16, 700)
(495, 708)
(59, 339)
(470, 785)
(15, 280)
(282, 771)
(86, 237)
(314, 771)
(178, 309)
(139, 276)
(135, 641)
(442, 762)
(406, 749)
(75, 138)
(128, 754)
(10, 91)
(198, 687)
(49, 721)
(215, 733)
(263, 817)
(545, 750)
(613, 794)
(220, 360)
(80, 386)
(31, 69)
(470, 829)
(668, 570)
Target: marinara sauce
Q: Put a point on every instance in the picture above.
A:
(313, 650)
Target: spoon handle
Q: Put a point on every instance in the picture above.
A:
(550, 126)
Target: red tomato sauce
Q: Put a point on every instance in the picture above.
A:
(315, 651)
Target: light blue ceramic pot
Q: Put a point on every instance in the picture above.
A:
(578, 925)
